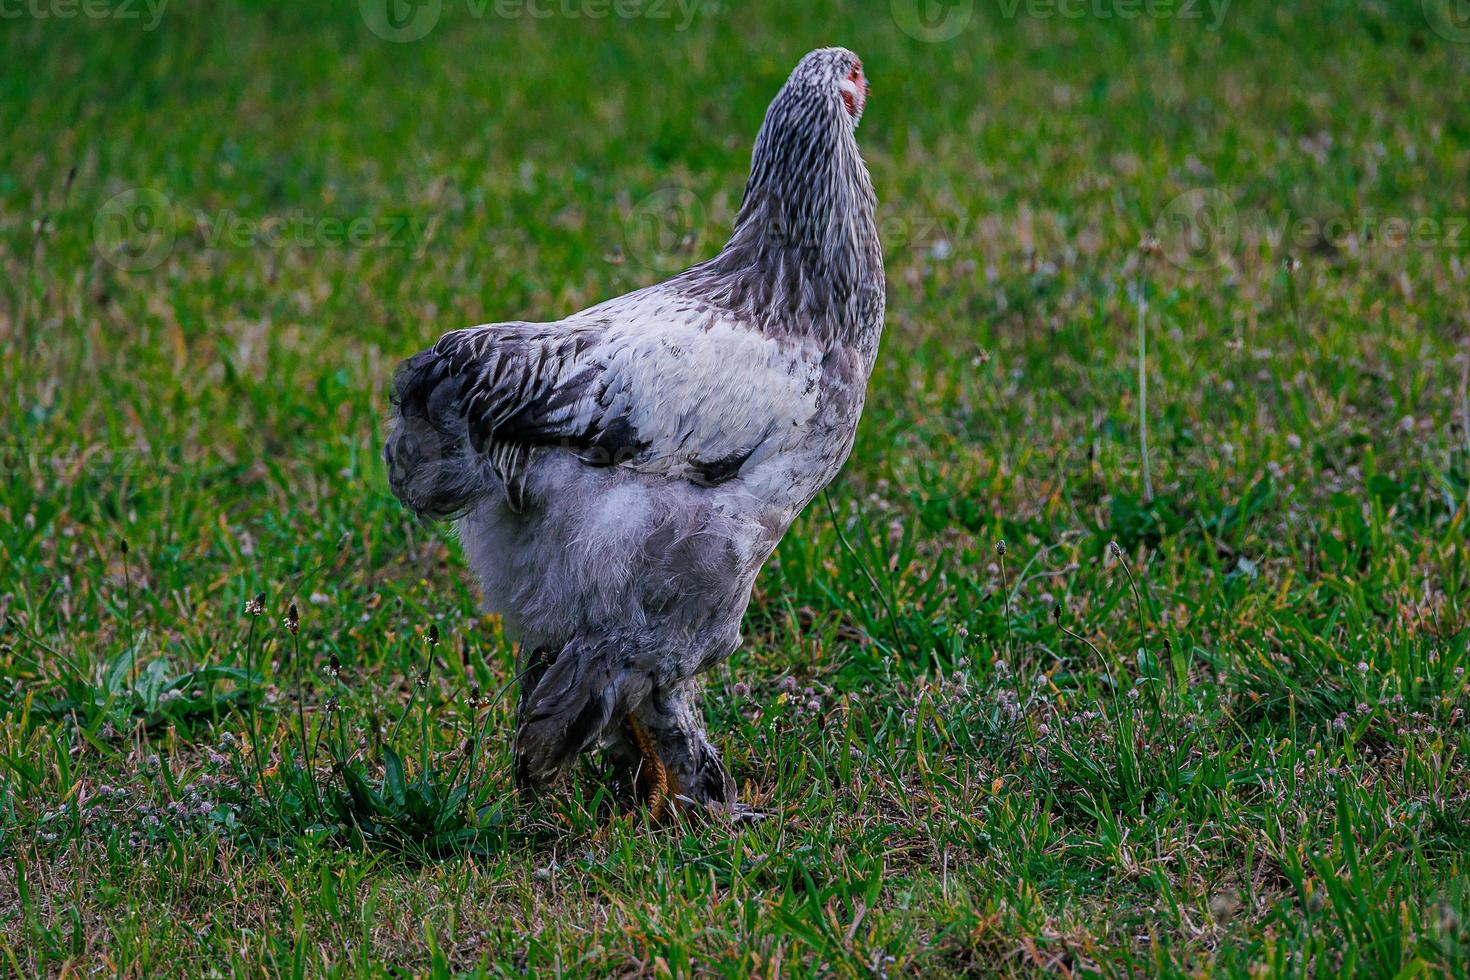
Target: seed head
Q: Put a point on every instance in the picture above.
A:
(122, 545)
(433, 635)
(292, 622)
(1000, 548)
(1150, 245)
(256, 606)
(334, 667)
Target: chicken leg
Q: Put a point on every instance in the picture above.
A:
(655, 773)
(679, 764)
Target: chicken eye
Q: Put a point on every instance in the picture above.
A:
(854, 89)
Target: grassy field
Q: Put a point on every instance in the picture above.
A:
(1014, 705)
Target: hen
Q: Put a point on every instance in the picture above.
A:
(619, 477)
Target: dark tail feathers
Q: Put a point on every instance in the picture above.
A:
(588, 689)
(430, 468)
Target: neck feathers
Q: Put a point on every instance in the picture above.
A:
(804, 258)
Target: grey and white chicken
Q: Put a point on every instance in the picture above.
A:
(619, 477)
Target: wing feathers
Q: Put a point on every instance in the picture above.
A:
(684, 394)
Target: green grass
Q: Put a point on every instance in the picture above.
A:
(1233, 746)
